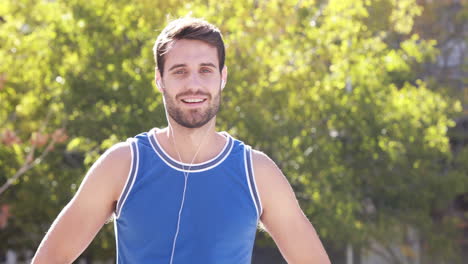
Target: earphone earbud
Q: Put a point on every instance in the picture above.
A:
(222, 84)
(159, 84)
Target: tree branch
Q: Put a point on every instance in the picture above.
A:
(28, 162)
(27, 166)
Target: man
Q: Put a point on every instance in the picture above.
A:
(185, 193)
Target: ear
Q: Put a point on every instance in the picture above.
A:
(224, 74)
(158, 79)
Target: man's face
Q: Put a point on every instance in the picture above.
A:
(191, 83)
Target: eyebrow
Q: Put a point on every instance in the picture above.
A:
(201, 64)
(208, 64)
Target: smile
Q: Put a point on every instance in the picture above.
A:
(193, 101)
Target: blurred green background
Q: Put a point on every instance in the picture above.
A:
(362, 103)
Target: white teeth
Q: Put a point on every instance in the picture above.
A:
(193, 100)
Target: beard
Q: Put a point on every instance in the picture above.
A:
(192, 118)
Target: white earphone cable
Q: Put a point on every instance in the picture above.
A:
(185, 171)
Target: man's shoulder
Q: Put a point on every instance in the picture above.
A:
(261, 160)
(114, 161)
(265, 169)
(118, 153)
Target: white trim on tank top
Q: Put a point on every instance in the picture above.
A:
(117, 211)
(255, 184)
(136, 157)
(254, 188)
(152, 133)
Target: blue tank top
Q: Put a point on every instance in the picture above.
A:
(209, 216)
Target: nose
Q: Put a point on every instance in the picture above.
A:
(194, 83)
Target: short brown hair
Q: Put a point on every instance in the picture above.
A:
(188, 28)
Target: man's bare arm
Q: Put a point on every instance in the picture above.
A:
(92, 205)
(283, 218)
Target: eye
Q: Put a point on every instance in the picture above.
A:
(205, 70)
(181, 71)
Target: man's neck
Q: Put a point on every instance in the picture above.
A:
(191, 145)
